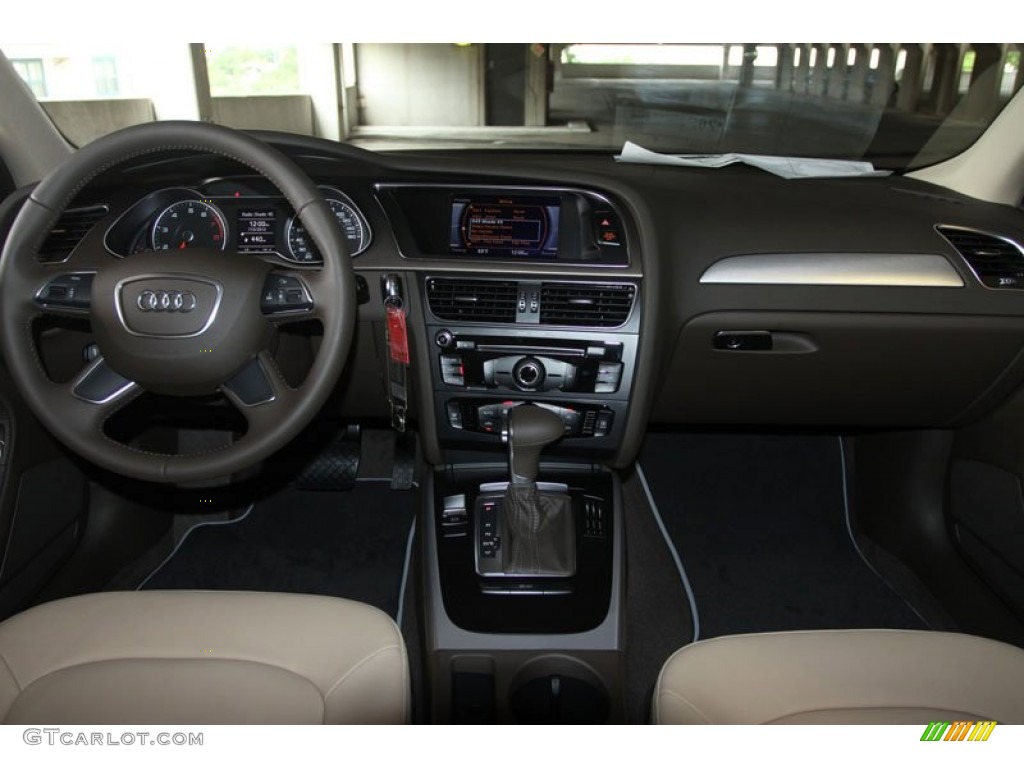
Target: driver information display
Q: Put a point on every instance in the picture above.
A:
(257, 231)
(484, 225)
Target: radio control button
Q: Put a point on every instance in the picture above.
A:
(529, 373)
(452, 371)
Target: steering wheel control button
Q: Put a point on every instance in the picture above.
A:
(284, 293)
(168, 307)
(72, 291)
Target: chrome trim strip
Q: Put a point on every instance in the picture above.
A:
(919, 270)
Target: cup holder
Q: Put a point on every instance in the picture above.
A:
(558, 690)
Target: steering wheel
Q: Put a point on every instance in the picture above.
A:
(180, 323)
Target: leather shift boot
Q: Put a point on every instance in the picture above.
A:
(540, 532)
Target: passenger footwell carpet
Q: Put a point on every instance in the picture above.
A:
(349, 544)
(760, 525)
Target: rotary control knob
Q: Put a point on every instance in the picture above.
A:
(529, 373)
(444, 338)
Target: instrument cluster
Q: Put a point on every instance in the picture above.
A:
(230, 216)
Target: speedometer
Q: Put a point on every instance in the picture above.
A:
(189, 224)
(353, 225)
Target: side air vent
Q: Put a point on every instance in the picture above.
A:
(73, 225)
(998, 262)
(478, 301)
(586, 304)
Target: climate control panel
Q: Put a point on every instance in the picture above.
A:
(491, 417)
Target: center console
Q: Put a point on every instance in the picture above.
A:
(532, 324)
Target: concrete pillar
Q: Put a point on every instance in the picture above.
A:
(986, 77)
(535, 106)
(180, 83)
(857, 84)
(835, 87)
(1018, 81)
(885, 75)
(784, 68)
(747, 70)
(912, 79)
(819, 73)
(320, 76)
(943, 95)
(802, 74)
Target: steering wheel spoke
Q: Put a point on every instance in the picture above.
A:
(100, 384)
(260, 392)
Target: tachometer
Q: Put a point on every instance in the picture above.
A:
(355, 228)
(189, 224)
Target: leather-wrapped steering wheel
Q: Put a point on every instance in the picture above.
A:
(178, 323)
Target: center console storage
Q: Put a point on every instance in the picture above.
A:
(518, 647)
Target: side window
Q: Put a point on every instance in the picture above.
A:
(33, 73)
(104, 71)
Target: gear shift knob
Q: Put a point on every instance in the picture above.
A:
(530, 429)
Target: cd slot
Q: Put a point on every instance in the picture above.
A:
(522, 349)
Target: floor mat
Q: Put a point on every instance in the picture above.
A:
(760, 525)
(350, 544)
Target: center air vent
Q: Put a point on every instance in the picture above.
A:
(998, 262)
(73, 225)
(589, 305)
(478, 301)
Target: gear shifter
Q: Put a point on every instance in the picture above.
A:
(539, 524)
(530, 430)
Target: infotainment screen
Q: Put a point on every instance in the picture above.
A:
(502, 226)
(257, 230)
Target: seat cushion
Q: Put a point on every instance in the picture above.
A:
(203, 658)
(843, 676)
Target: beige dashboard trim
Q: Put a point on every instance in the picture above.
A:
(917, 270)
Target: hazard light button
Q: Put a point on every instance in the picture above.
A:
(608, 228)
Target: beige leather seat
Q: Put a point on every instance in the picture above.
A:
(202, 658)
(847, 676)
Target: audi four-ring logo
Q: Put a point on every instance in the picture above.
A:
(167, 301)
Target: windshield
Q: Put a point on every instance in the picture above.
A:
(897, 106)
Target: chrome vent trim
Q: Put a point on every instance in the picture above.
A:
(995, 260)
(472, 299)
(71, 228)
(586, 305)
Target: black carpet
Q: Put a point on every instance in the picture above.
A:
(349, 544)
(760, 526)
(658, 620)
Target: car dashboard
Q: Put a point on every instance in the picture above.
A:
(619, 294)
